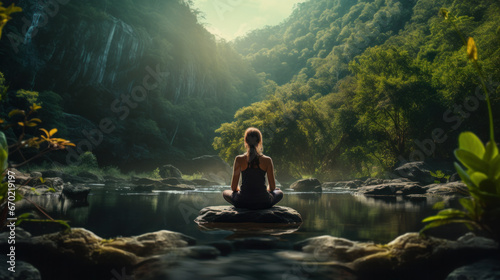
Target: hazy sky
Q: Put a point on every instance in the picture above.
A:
(232, 18)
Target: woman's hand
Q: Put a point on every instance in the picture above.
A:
(269, 189)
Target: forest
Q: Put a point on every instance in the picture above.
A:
(341, 89)
(120, 122)
(363, 86)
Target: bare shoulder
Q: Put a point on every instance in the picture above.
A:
(240, 158)
(266, 159)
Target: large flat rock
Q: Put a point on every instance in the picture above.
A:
(231, 214)
(409, 256)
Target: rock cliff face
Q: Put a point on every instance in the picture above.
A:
(88, 52)
(158, 78)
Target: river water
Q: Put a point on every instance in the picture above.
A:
(111, 212)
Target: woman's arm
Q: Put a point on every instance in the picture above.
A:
(270, 175)
(236, 175)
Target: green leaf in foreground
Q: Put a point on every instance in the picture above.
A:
(4, 152)
(491, 152)
(468, 141)
(471, 161)
(61, 222)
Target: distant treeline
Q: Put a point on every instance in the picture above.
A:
(354, 87)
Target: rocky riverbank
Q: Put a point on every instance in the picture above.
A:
(80, 254)
(413, 180)
(77, 187)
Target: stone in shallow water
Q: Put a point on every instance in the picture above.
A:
(22, 270)
(488, 269)
(84, 255)
(307, 185)
(409, 256)
(231, 214)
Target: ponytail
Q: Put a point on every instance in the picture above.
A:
(253, 144)
(253, 156)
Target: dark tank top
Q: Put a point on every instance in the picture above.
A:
(253, 184)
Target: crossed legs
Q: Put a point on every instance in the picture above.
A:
(232, 198)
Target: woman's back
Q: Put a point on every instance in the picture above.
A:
(252, 168)
(253, 180)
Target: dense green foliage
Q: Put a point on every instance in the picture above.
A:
(482, 209)
(43, 144)
(354, 87)
(340, 89)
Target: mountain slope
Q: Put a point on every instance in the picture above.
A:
(362, 86)
(149, 68)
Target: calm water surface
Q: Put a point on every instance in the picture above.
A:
(112, 212)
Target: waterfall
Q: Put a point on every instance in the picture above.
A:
(104, 58)
(30, 57)
(38, 13)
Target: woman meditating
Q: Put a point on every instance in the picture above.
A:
(253, 166)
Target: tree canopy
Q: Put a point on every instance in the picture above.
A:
(359, 86)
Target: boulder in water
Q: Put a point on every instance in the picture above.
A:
(488, 269)
(448, 189)
(405, 188)
(410, 256)
(76, 192)
(170, 171)
(83, 253)
(416, 171)
(231, 214)
(307, 185)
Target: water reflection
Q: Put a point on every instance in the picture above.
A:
(123, 212)
(240, 230)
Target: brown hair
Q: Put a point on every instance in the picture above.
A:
(253, 144)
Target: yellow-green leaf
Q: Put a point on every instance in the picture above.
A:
(16, 112)
(35, 107)
(472, 161)
(25, 216)
(494, 171)
(472, 49)
(464, 176)
(4, 187)
(439, 205)
(444, 13)
(53, 131)
(439, 223)
(4, 152)
(468, 204)
(5, 15)
(45, 131)
(478, 177)
(470, 142)
(491, 151)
